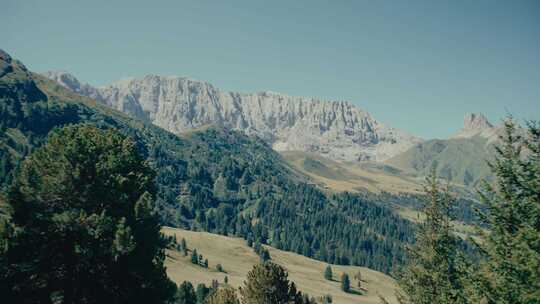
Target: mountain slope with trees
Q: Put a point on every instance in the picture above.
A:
(213, 179)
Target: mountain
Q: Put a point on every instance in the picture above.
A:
(211, 179)
(461, 159)
(478, 125)
(336, 129)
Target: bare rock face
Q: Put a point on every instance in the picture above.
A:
(334, 129)
(478, 125)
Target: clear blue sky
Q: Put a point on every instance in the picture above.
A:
(416, 65)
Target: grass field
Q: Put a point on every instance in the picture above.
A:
(237, 259)
(338, 176)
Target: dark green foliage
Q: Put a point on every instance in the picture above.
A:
(510, 269)
(265, 255)
(214, 180)
(328, 273)
(205, 263)
(185, 294)
(327, 299)
(194, 257)
(433, 273)
(345, 283)
(201, 293)
(223, 296)
(267, 283)
(219, 268)
(184, 247)
(84, 226)
(226, 280)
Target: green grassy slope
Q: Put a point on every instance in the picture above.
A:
(461, 161)
(338, 176)
(237, 259)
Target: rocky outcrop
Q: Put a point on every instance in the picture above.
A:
(478, 125)
(335, 129)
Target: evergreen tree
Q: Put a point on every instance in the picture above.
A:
(219, 268)
(265, 255)
(226, 280)
(432, 274)
(183, 243)
(223, 296)
(201, 293)
(345, 283)
(195, 257)
(328, 273)
(295, 296)
(327, 299)
(185, 294)
(510, 271)
(205, 264)
(85, 230)
(266, 283)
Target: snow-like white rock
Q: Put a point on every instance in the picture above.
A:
(336, 129)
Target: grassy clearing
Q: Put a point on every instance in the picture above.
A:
(338, 176)
(237, 259)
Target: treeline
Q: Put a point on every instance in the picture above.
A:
(266, 283)
(82, 228)
(214, 180)
(507, 270)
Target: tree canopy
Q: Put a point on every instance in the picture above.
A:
(84, 229)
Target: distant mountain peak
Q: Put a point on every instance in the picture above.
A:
(476, 124)
(336, 129)
(476, 121)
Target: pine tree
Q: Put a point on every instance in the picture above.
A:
(266, 283)
(328, 273)
(510, 272)
(219, 268)
(265, 255)
(185, 294)
(223, 296)
(183, 243)
(201, 293)
(345, 283)
(433, 274)
(295, 296)
(195, 257)
(327, 299)
(86, 230)
(226, 280)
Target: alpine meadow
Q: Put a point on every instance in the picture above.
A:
(171, 190)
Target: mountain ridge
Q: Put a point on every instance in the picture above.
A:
(336, 129)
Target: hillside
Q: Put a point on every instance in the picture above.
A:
(237, 259)
(213, 179)
(461, 159)
(340, 176)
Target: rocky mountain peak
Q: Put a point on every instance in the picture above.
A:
(336, 129)
(473, 121)
(5, 56)
(477, 124)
